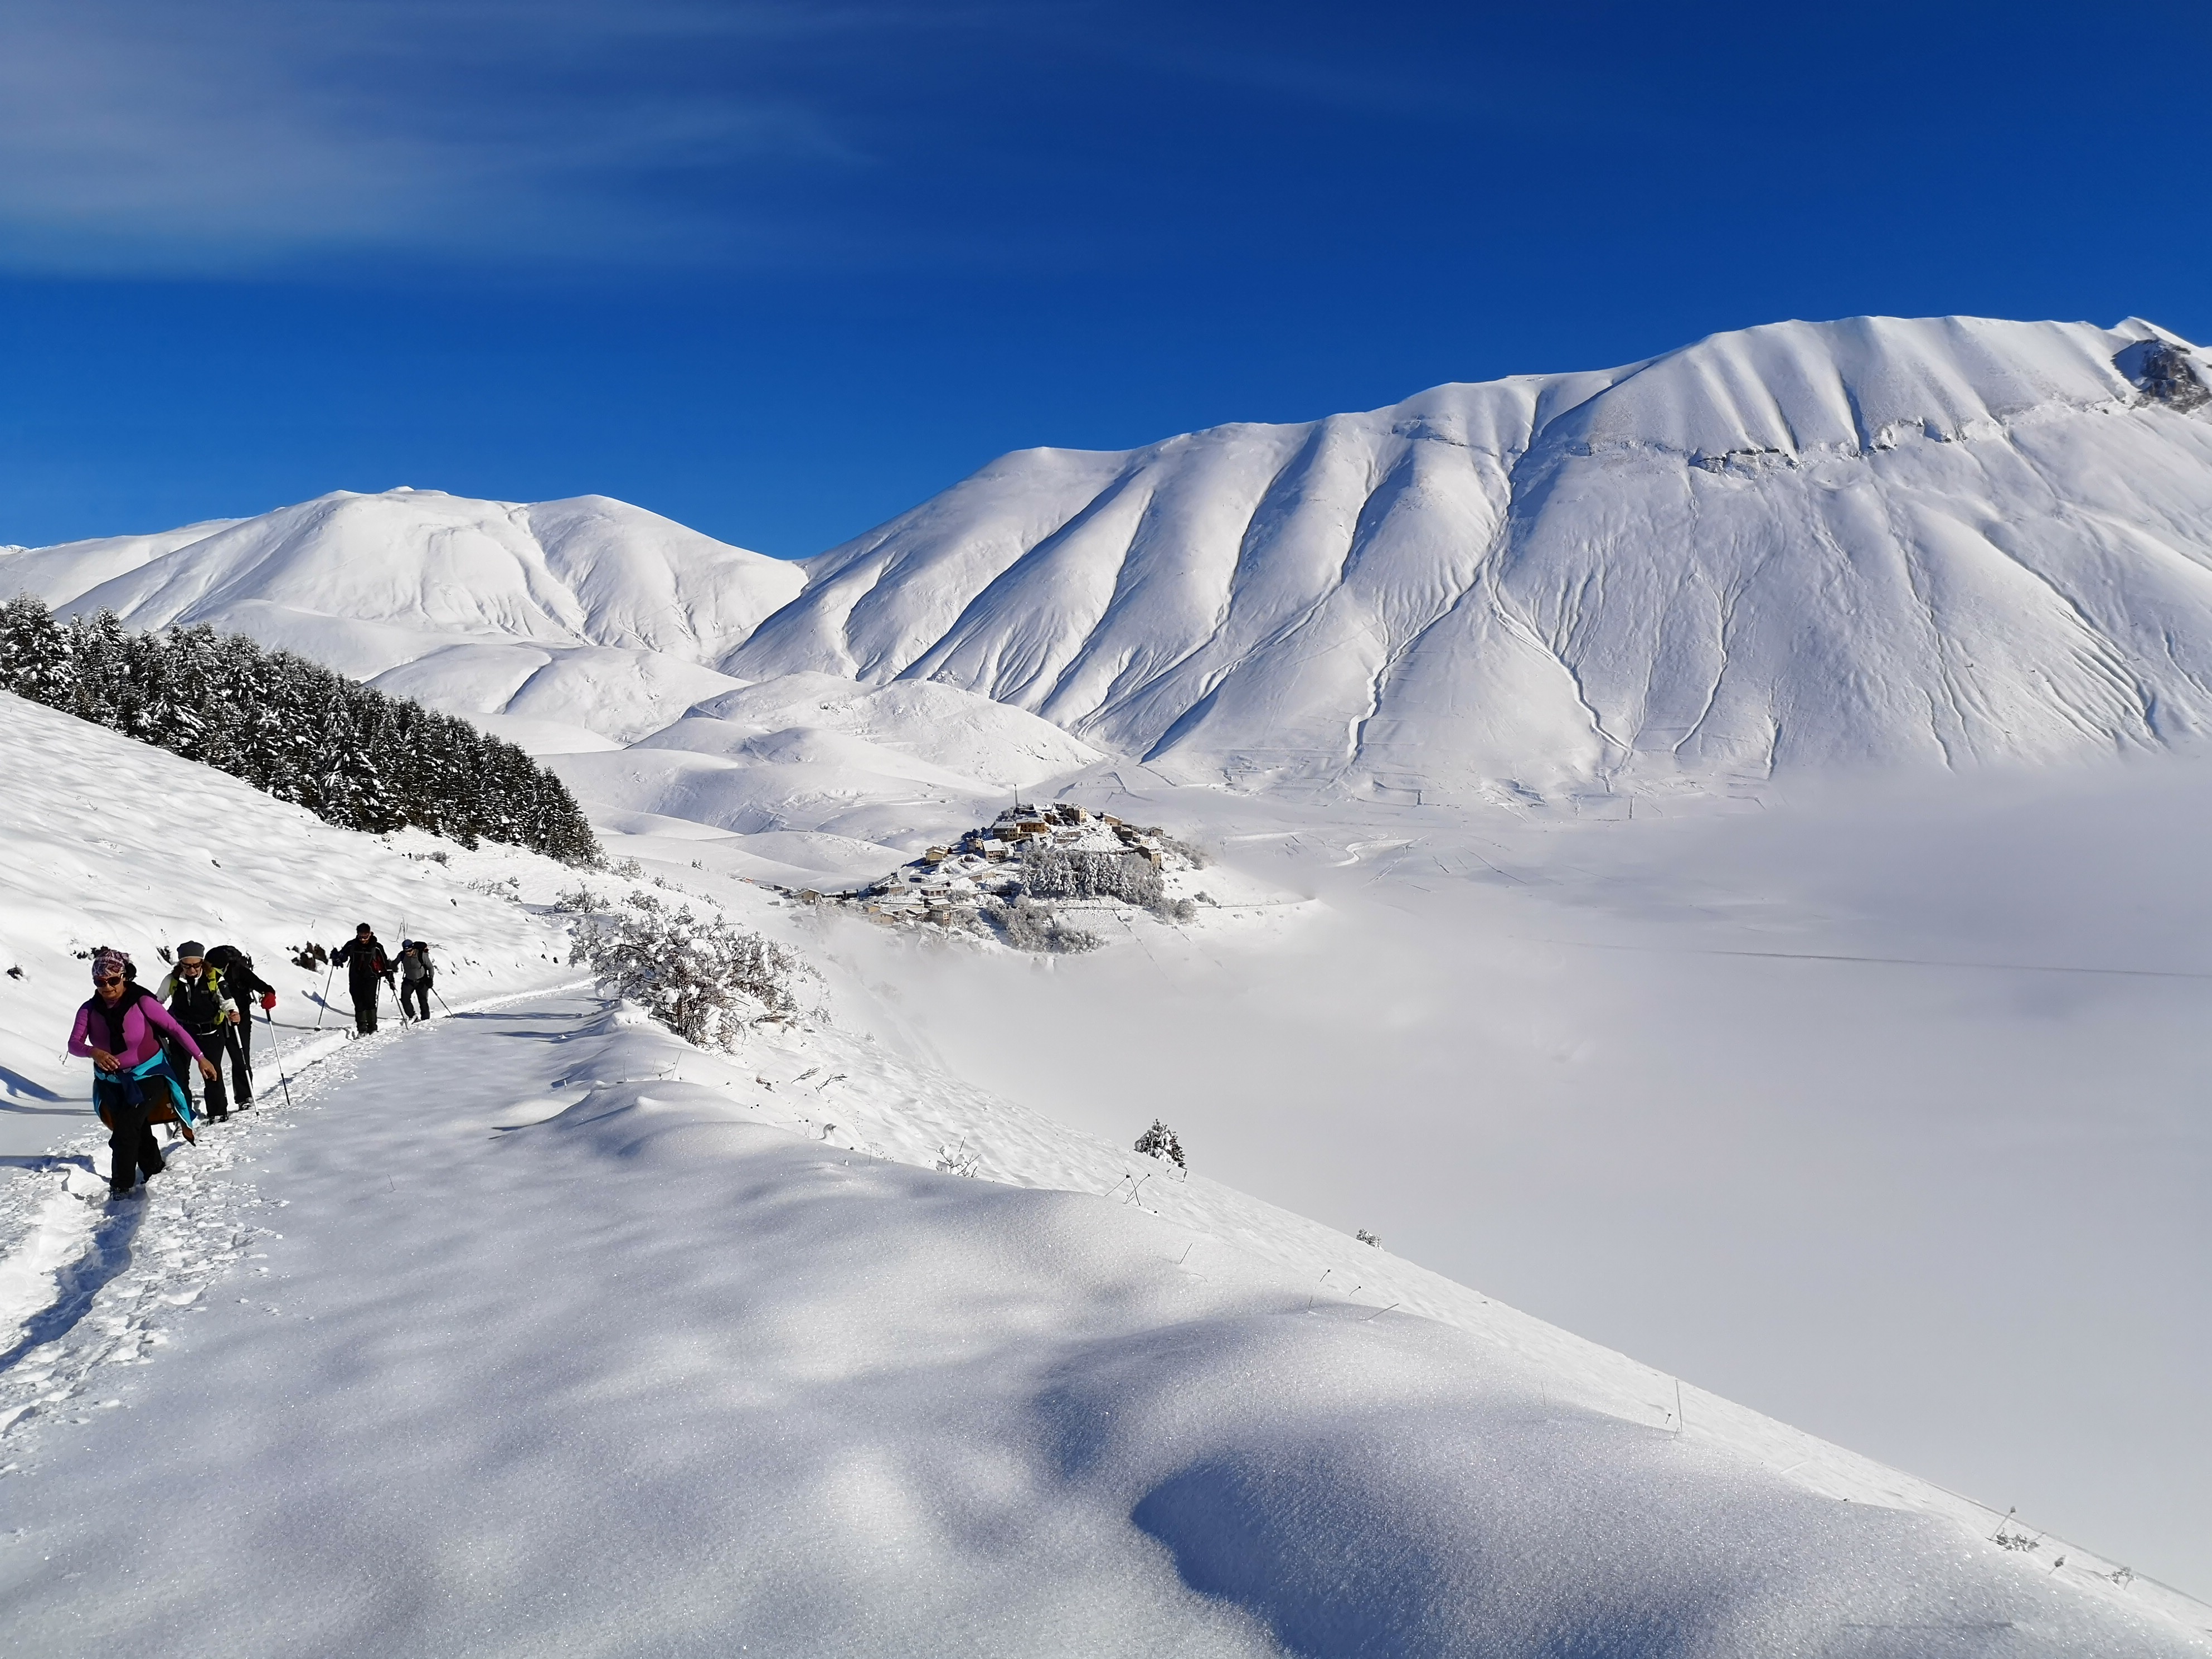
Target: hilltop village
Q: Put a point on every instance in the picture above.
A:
(1011, 879)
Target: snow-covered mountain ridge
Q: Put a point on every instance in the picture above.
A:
(1803, 545)
(587, 613)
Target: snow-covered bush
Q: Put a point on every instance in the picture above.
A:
(1026, 925)
(1159, 1141)
(705, 980)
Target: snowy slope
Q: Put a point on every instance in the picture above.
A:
(572, 628)
(811, 752)
(639, 1350)
(587, 614)
(812, 1349)
(110, 841)
(1931, 542)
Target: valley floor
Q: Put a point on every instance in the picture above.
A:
(533, 1331)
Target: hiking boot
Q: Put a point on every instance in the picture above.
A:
(116, 1194)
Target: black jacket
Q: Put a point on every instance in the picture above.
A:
(197, 1003)
(365, 963)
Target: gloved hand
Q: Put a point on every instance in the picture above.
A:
(268, 1000)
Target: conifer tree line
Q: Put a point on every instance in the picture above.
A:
(349, 754)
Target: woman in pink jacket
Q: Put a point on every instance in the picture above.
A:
(121, 1029)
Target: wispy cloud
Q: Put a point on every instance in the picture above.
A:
(138, 134)
(230, 136)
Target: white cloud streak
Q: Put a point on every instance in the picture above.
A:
(138, 135)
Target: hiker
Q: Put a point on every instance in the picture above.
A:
(121, 1028)
(194, 992)
(244, 986)
(417, 970)
(364, 964)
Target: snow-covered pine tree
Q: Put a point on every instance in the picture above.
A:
(35, 660)
(345, 751)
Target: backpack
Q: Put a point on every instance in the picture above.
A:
(198, 1008)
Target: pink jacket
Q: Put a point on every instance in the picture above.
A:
(145, 1017)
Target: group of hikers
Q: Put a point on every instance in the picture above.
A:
(146, 1045)
(369, 972)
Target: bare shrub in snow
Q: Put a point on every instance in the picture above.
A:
(1027, 925)
(1196, 856)
(1159, 1141)
(579, 899)
(705, 980)
(958, 1160)
(1366, 1237)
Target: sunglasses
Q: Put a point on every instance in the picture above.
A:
(109, 979)
(192, 964)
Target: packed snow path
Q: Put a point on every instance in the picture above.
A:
(499, 1343)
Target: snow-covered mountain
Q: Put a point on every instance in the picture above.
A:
(574, 629)
(586, 615)
(1798, 546)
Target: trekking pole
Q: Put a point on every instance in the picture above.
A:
(279, 1053)
(436, 993)
(320, 1018)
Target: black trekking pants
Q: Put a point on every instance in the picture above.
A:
(131, 1148)
(415, 991)
(237, 1040)
(364, 1010)
(212, 1044)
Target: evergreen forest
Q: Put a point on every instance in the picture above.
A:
(350, 755)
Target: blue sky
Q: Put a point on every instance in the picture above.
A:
(781, 271)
